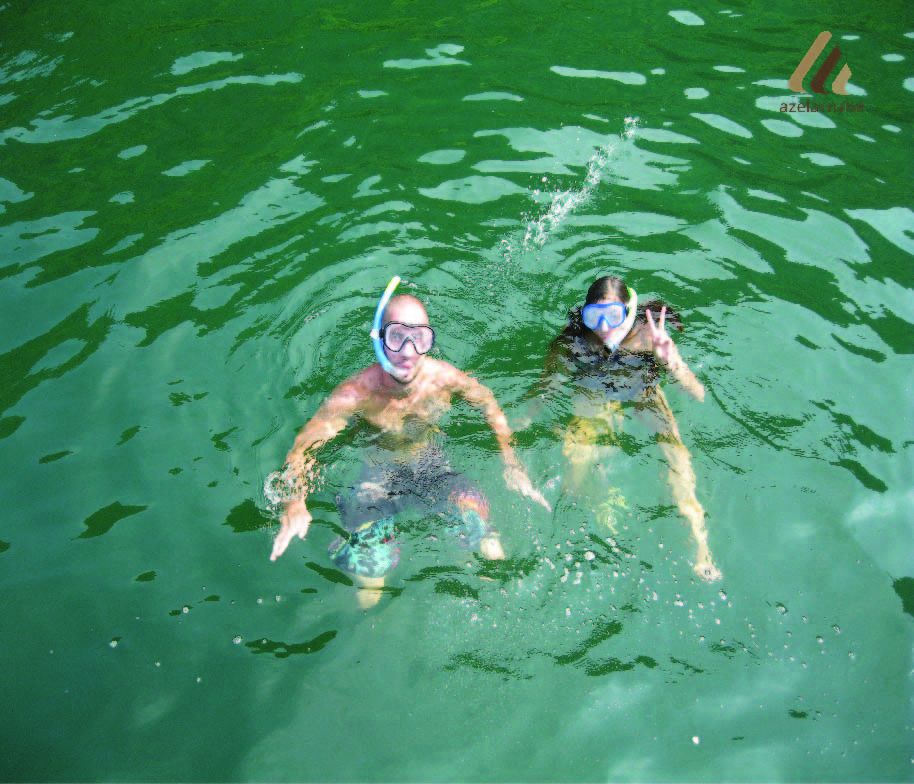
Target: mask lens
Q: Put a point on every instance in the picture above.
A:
(613, 313)
(423, 339)
(396, 335)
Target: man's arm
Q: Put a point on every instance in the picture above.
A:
(481, 397)
(331, 418)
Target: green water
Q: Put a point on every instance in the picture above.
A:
(199, 206)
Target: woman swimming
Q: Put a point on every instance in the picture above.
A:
(611, 353)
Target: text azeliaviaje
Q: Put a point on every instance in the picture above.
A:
(808, 106)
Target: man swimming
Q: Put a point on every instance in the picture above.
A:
(401, 399)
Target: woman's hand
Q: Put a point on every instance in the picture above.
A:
(704, 565)
(661, 343)
(665, 350)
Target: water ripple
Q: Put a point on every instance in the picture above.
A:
(66, 127)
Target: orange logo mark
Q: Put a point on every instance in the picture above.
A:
(817, 85)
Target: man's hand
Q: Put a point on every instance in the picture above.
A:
(295, 522)
(516, 479)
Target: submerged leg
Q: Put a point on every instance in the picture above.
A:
(658, 416)
(588, 464)
(369, 590)
(580, 451)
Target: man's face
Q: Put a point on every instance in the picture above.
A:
(407, 361)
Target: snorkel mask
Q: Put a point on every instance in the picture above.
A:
(631, 309)
(376, 325)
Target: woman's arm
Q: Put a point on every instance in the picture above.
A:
(666, 352)
(658, 417)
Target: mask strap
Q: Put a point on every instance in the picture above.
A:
(375, 333)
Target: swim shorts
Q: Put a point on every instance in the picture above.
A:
(386, 490)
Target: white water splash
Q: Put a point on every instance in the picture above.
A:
(566, 202)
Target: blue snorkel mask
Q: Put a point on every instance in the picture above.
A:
(376, 325)
(613, 315)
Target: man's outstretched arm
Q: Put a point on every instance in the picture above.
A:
(331, 418)
(515, 476)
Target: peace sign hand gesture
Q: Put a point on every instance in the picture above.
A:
(662, 344)
(665, 350)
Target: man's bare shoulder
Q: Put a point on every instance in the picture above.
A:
(445, 374)
(358, 388)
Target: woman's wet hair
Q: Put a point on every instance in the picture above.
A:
(607, 286)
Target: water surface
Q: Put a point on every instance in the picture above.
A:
(199, 207)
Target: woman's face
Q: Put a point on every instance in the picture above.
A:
(610, 336)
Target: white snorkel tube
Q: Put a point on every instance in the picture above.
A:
(376, 325)
(632, 308)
